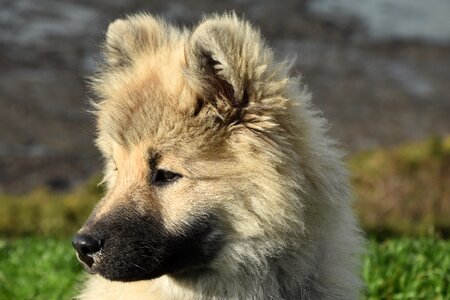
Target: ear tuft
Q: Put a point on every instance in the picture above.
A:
(228, 65)
(117, 50)
(127, 38)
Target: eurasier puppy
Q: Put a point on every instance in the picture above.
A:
(221, 181)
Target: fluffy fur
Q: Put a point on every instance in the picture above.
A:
(251, 149)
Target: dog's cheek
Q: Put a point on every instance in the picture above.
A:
(196, 245)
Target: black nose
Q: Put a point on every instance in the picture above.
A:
(86, 247)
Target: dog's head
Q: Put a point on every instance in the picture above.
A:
(195, 129)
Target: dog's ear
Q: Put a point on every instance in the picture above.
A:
(126, 39)
(229, 67)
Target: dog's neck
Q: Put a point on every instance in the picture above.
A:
(275, 283)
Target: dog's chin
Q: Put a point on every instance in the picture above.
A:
(129, 271)
(125, 271)
(129, 276)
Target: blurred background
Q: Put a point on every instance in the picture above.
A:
(379, 70)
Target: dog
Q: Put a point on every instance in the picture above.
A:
(221, 180)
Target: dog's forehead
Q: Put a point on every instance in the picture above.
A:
(148, 102)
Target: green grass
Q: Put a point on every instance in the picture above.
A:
(45, 268)
(408, 269)
(32, 268)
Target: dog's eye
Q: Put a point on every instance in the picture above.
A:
(162, 177)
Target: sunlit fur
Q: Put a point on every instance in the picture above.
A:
(262, 161)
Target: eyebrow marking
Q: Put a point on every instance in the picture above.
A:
(153, 159)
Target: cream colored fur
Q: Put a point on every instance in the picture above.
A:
(279, 180)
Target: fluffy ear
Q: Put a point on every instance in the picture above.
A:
(229, 67)
(127, 38)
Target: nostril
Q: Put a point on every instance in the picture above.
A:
(86, 246)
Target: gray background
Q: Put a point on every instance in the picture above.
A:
(379, 70)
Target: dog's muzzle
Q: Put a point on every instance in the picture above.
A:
(126, 245)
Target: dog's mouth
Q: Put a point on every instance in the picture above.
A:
(88, 261)
(140, 248)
